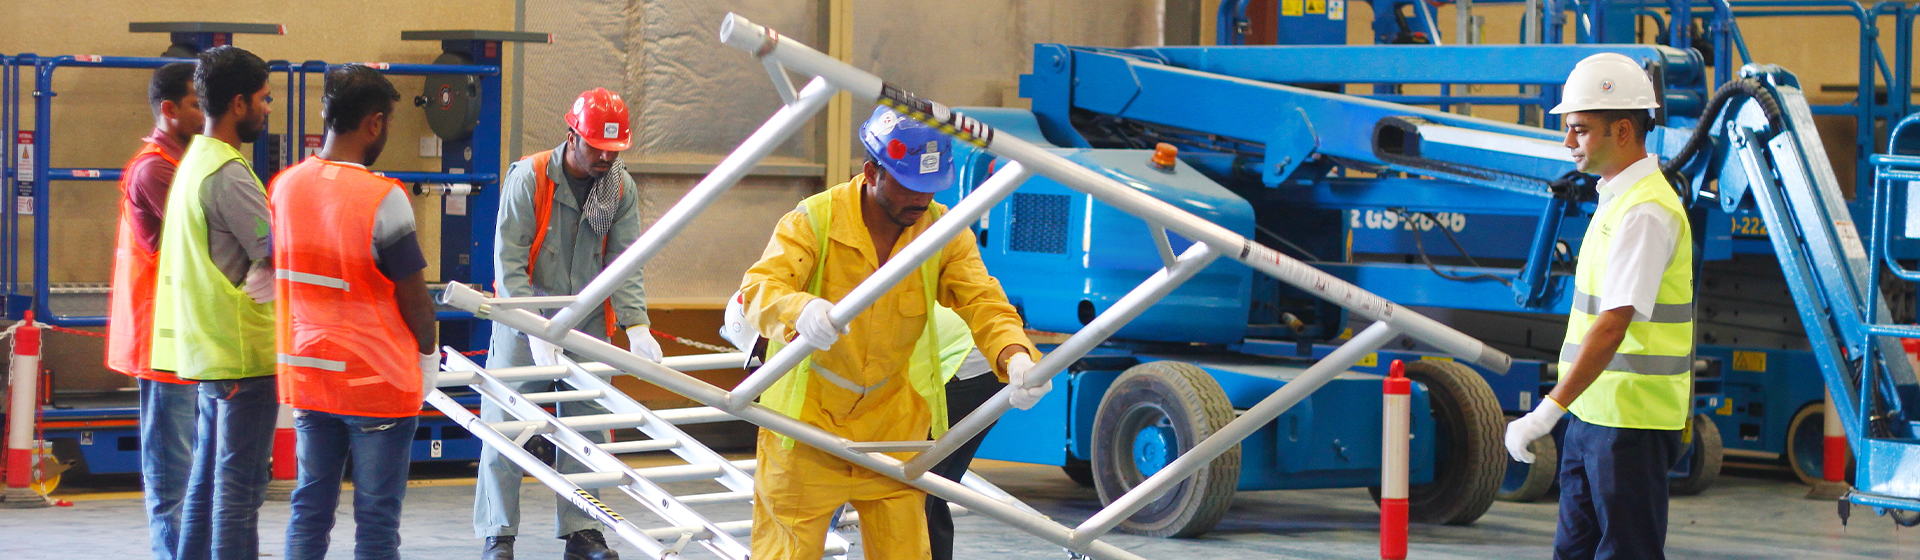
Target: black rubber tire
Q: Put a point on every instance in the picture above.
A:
(1810, 417)
(1187, 400)
(1080, 471)
(1707, 454)
(1471, 457)
(1540, 475)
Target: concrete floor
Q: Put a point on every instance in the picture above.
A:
(1750, 514)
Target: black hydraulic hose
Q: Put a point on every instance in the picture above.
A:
(1741, 88)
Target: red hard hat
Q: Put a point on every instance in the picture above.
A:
(600, 116)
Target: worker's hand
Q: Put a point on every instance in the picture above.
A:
(815, 326)
(640, 341)
(1534, 425)
(544, 353)
(1024, 397)
(259, 284)
(429, 373)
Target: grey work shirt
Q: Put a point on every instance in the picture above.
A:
(570, 256)
(238, 227)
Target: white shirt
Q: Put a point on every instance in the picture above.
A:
(1642, 248)
(392, 220)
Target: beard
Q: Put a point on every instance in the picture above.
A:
(251, 128)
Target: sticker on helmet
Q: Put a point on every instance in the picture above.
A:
(929, 162)
(884, 125)
(610, 131)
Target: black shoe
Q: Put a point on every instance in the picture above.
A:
(498, 548)
(587, 544)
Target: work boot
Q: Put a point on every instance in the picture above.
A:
(587, 544)
(498, 548)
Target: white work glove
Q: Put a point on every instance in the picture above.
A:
(1534, 425)
(815, 326)
(640, 341)
(259, 284)
(544, 353)
(1024, 397)
(429, 373)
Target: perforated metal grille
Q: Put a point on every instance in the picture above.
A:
(1039, 223)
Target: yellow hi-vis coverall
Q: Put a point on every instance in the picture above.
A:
(797, 488)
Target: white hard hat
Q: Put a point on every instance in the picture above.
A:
(735, 328)
(1607, 81)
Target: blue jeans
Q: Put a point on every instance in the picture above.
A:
(380, 450)
(231, 466)
(167, 420)
(1613, 492)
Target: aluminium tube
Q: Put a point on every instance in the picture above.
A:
(927, 245)
(736, 166)
(1131, 305)
(1196, 457)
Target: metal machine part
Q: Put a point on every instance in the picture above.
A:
(451, 101)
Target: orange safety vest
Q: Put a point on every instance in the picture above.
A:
(543, 213)
(130, 311)
(341, 344)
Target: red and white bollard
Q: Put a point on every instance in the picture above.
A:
(21, 414)
(1833, 456)
(1395, 434)
(286, 462)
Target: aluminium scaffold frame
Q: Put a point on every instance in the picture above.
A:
(1021, 159)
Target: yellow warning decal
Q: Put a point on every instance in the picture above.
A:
(1316, 6)
(584, 495)
(1749, 361)
(1370, 360)
(1726, 408)
(1290, 7)
(1437, 358)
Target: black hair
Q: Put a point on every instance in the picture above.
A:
(353, 92)
(170, 83)
(1639, 119)
(224, 72)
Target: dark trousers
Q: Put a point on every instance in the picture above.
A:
(232, 456)
(1613, 492)
(963, 396)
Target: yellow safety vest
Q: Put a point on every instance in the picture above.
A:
(1649, 383)
(204, 327)
(789, 395)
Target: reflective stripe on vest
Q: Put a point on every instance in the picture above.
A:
(343, 346)
(1648, 383)
(130, 305)
(543, 190)
(788, 395)
(204, 327)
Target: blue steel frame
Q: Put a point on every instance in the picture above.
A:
(463, 233)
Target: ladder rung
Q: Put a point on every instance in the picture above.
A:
(562, 396)
(716, 498)
(889, 446)
(577, 423)
(597, 479)
(680, 473)
(639, 446)
(694, 415)
(531, 302)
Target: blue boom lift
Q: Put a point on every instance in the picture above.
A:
(1264, 147)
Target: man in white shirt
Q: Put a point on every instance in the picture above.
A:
(1626, 364)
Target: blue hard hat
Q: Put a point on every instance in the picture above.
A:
(913, 152)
